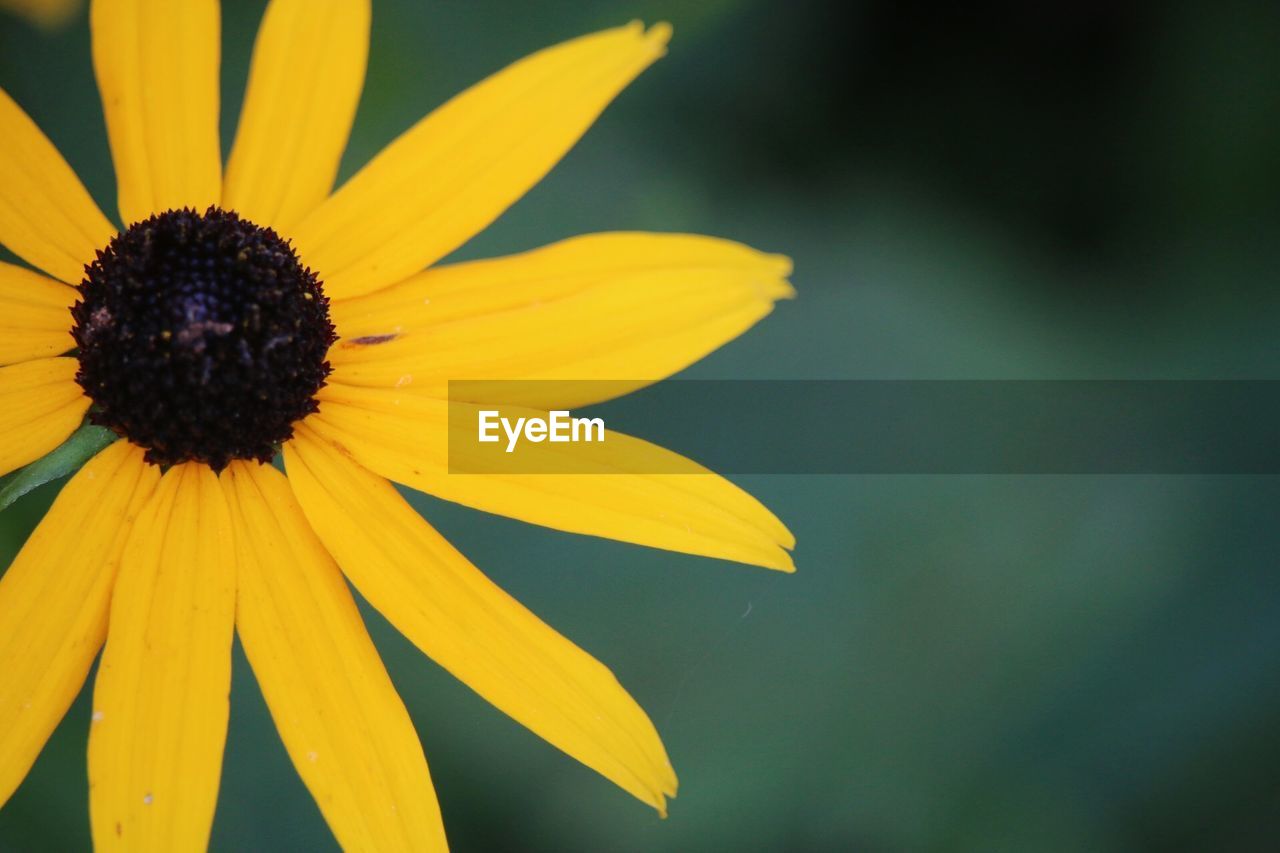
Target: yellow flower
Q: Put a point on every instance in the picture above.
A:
(45, 13)
(204, 341)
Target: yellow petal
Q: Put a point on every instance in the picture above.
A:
(338, 714)
(40, 405)
(54, 600)
(160, 699)
(403, 437)
(472, 628)
(157, 68)
(304, 83)
(459, 168)
(633, 307)
(35, 318)
(46, 216)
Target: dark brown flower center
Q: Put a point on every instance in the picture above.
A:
(201, 337)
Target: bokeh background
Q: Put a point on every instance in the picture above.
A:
(985, 190)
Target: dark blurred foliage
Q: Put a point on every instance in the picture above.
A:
(998, 190)
(1076, 121)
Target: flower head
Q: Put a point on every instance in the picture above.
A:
(248, 311)
(201, 337)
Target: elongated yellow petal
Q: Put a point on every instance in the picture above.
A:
(459, 168)
(472, 628)
(40, 405)
(54, 600)
(529, 280)
(160, 702)
(403, 437)
(35, 318)
(338, 714)
(304, 83)
(635, 307)
(157, 68)
(46, 216)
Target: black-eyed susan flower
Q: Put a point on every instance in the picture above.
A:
(246, 309)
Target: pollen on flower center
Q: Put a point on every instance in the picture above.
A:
(201, 337)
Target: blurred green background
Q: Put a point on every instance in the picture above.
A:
(1083, 190)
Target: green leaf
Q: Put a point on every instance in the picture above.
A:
(66, 458)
